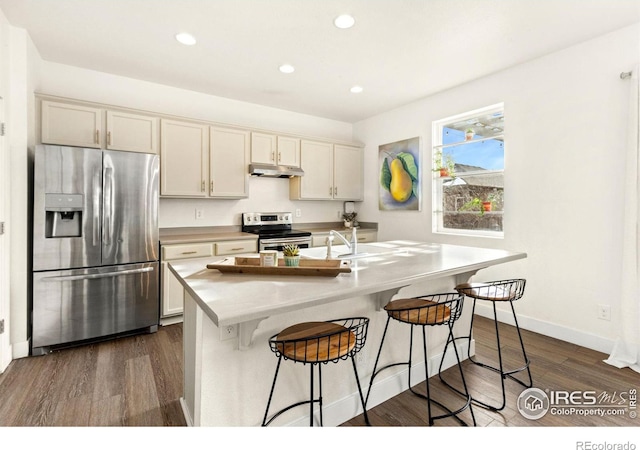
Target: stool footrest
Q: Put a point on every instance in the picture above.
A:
(284, 410)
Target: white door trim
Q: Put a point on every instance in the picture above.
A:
(5, 345)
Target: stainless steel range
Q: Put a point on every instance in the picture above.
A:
(274, 230)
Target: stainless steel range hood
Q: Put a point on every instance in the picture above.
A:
(267, 170)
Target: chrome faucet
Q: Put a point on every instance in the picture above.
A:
(352, 246)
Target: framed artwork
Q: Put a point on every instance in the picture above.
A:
(400, 169)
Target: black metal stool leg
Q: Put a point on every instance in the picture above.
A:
(273, 386)
(364, 408)
(320, 391)
(311, 396)
(464, 382)
(524, 354)
(426, 369)
(375, 365)
(409, 363)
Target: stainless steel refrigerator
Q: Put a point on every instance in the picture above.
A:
(95, 245)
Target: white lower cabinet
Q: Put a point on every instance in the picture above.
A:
(172, 292)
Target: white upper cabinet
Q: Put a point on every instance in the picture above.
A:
(82, 126)
(316, 160)
(184, 156)
(331, 172)
(347, 173)
(229, 162)
(67, 124)
(275, 150)
(288, 151)
(203, 161)
(132, 132)
(263, 148)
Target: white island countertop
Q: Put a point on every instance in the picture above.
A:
(231, 299)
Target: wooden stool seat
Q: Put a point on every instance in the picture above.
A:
(315, 341)
(488, 291)
(418, 311)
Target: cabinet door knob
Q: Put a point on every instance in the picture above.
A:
(273, 156)
(211, 186)
(108, 137)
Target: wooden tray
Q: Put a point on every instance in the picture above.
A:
(307, 267)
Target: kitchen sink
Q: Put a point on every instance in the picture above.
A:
(343, 252)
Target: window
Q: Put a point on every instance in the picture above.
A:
(468, 173)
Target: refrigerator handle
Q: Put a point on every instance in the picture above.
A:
(97, 193)
(108, 205)
(98, 275)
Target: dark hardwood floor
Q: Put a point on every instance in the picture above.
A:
(137, 381)
(131, 381)
(555, 366)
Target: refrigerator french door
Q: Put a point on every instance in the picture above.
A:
(95, 245)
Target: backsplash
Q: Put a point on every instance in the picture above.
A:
(265, 195)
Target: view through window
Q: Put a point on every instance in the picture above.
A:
(468, 182)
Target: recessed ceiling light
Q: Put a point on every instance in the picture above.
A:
(287, 68)
(356, 89)
(185, 38)
(344, 21)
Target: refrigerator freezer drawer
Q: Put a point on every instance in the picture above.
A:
(79, 304)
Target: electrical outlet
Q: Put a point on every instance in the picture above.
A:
(228, 332)
(199, 214)
(604, 312)
(339, 214)
(298, 212)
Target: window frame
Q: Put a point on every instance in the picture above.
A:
(437, 210)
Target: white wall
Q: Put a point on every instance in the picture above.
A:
(566, 125)
(5, 249)
(265, 194)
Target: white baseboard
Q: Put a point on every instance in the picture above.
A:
(382, 390)
(171, 320)
(566, 334)
(185, 412)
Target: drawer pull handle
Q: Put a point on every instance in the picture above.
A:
(189, 253)
(236, 249)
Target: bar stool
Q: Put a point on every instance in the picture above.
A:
(317, 343)
(494, 292)
(423, 311)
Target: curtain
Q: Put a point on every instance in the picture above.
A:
(626, 351)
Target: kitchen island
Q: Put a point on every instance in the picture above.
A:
(228, 318)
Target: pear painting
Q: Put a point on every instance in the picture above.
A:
(399, 175)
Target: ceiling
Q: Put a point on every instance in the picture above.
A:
(398, 51)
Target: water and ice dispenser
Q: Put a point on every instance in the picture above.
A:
(63, 215)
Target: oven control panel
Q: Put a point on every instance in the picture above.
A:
(272, 218)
